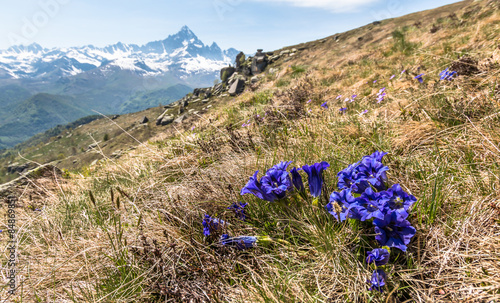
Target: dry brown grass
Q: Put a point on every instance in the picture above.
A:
(443, 142)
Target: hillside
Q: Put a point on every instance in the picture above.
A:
(131, 226)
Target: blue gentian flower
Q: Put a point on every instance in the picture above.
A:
(379, 256)
(240, 242)
(378, 155)
(420, 78)
(273, 185)
(363, 112)
(343, 205)
(254, 187)
(447, 75)
(297, 179)
(343, 109)
(392, 77)
(239, 210)
(277, 180)
(212, 225)
(371, 205)
(393, 231)
(315, 177)
(373, 171)
(378, 280)
(324, 105)
(399, 201)
(348, 178)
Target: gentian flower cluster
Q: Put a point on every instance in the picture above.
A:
(447, 75)
(277, 181)
(363, 195)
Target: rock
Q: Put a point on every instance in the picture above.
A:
(285, 52)
(19, 168)
(185, 103)
(226, 72)
(180, 110)
(292, 54)
(167, 120)
(75, 161)
(218, 89)
(274, 58)
(144, 120)
(180, 119)
(237, 87)
(191, 110)
(160, 118)
(259, 62)
(115, 117)
(240, 59)
(93, 145)
(224, 95)
(209, 106)
(116, 154)
(273, 70)
(205, 101)
(254, 79)
(294, 50)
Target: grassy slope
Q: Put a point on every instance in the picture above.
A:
(141, 236)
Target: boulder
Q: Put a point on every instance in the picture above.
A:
(160, 118)
(167, 120)
(227, 72)
(237, 87)
(240, 59)
(254, 79)
(259, 62)
(144, 120)
(180, 119)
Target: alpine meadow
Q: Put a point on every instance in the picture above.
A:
(361, 167)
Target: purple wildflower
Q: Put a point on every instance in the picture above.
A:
(378, 280)
(447, 75)
(315, 177)
(393, 231)
(341, 204)
(379, 256)
(239, 210)
(392, 77)
(212, 225)
(324, 105)
(297, 179)
(420, 78)
(240, 242)
(343, 109)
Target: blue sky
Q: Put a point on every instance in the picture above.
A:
(242, 24)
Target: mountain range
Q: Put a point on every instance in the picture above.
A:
(182, 54)
(69, 83)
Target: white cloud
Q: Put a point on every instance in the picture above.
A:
(332, 5)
